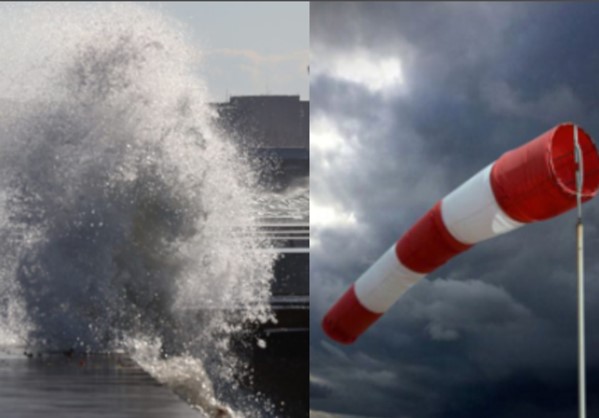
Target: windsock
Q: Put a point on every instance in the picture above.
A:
(531, 183)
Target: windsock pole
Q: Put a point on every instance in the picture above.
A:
(582, 413)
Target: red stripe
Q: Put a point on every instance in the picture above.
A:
(428, 244)
(348, 319)
(537, 180)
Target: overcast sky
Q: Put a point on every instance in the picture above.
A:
(248, 47)
(408, 101)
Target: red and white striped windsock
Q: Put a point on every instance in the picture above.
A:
(531, 183)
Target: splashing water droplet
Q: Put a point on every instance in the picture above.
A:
(102, 116)
(261, 343)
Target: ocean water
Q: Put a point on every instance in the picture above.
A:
(127, 222)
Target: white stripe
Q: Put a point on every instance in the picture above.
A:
(471, 213)
(384, 282)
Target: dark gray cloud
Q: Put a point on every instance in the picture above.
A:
(492, 333)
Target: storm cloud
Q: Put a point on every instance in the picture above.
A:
(408, 101)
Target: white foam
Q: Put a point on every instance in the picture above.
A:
(120, 200)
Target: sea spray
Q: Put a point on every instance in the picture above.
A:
(126, 221)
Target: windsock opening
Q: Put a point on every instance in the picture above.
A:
(563, 164)
(537, 181)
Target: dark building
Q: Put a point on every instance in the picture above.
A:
(271, 126)
(268, 121)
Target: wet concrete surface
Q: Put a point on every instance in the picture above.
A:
(99, 385)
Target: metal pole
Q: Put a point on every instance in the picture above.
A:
(581, 354)
(582, 413)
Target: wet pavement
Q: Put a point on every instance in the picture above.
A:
(99, 385)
